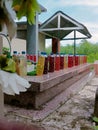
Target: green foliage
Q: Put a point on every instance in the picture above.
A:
(67, 50)
(84, 47)
(26, 8)
(6, 51)
(95, 127)
(96, 120)
(48, 50)
(11, 66)
(92, 57)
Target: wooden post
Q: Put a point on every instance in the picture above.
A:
(55, 45)
(1, 103)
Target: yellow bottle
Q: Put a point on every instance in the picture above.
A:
(40, 65)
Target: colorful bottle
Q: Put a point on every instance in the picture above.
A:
(70, 61)
(40, 65)
(57, 62)
(45, 64)
(65, 61)
(51, 63)
(22, 64)
(61, 61)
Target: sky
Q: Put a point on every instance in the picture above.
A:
(83, 11)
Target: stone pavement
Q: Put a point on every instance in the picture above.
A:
(74, 114)
(77, 112)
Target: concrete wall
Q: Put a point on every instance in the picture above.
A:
(20, 45)
(41, 44)
(16, 45)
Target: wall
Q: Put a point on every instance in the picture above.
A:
(20, 45)
(41, 44)
(16, 45)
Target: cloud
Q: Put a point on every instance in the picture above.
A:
(64, 3)
(78, 2)
(93, 29)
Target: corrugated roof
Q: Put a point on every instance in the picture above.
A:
(60, 25)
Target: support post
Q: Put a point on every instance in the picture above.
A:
(32, 37)
(55, 45)
(74, 42)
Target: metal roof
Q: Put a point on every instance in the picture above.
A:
(60, 25)
(43, 9)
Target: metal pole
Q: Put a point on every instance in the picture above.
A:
(74, 42)
(37, 36)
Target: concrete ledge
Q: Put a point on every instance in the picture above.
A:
(45, 88)
(52, 105)
(41, 83)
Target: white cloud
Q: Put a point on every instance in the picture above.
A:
(93, 29)
(95, 10)
(64, 3)
(79, 2)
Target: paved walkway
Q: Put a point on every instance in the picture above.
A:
(74, 114)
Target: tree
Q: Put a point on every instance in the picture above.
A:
(22, 8)
(84, 47)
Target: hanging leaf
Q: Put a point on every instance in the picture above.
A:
(16, 2)
(31, 17)
(26, 8)
(16, 5)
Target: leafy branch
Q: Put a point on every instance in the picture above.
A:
(26, 8)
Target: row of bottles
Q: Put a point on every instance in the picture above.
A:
(57, 62)
(26, 64)
(50, 63)
(76, 60)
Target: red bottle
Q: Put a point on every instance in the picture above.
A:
(76, 60)
(62, 62)
(51, 63)
(45, 64)
(57, 62)
(70, 61)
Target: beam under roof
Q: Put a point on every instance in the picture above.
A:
(60, 25)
